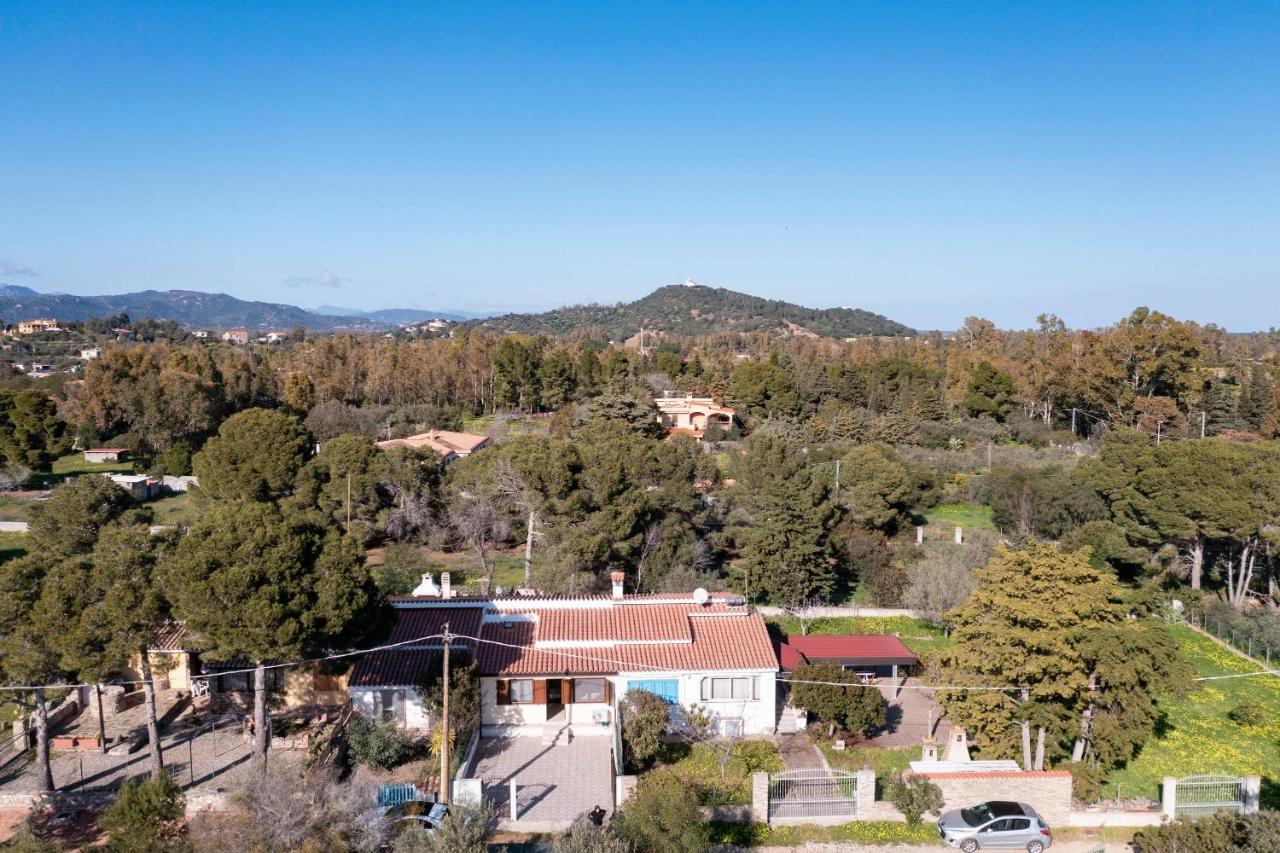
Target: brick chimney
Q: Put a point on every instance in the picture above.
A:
(617, 578)
(446, 588)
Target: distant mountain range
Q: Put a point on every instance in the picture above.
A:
(198, 310)
(400, 316)
(678, 309)
(692, 309)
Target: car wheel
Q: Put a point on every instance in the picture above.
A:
(969, 845)
(1035, 847)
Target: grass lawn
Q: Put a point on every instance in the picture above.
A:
(179, 508)
(73, 463)
(700, 767)
(920, 635)
(14, 509)
(12, 545)
(1199, 736)
(966, 515)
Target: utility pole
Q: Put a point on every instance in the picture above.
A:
(444, 724)
(989, 456)
(1158, 425)
(348, 503)
(1203, 418)
(837, 478)
(1073, 420)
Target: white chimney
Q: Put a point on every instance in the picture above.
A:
(446, 590)
(428, 586)
(958, 747)
(617, 578)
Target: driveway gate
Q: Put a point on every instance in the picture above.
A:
(813, 792)
(1196, 796)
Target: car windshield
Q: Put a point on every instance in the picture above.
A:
(977, 815)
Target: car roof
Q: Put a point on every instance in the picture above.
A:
(1005, 808)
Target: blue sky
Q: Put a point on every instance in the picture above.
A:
(926, 161)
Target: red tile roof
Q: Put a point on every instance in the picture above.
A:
(716, 642)
(640, 634)
(392, 668)
(414, 624)
(865, 649)
(169, 637)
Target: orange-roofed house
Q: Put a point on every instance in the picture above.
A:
(553, 663)
(448, 445)
(689, 415)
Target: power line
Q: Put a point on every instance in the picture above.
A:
(26, 688)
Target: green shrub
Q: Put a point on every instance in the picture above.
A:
(586, 837)
(1220, 833)
(755, 755)
(1086, 780)
(645, 720)
(1247, 714)
(914, 796)
(380, 746)
(147, 817)
(662, 815)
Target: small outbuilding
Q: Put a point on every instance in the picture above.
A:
(106, 454)
(871, 656)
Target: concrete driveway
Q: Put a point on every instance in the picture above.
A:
(555, 783)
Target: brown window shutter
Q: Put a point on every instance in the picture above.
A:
(608, 691)
(566, 690)
(540, 692)
(504, 692)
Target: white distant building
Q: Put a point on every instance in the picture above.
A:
(90, 353)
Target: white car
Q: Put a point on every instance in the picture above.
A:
(996, 825)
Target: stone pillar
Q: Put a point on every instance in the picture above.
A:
(760, 797)
(866, 790)
(919, 535)
(1169, 797)
(515, 806)
(959, 535)
(1252, 790)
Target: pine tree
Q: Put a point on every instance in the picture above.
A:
(1256, 397)
(1221, 414)
(256, 582)
(784, 541)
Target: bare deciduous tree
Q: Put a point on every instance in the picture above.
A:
(477, 524)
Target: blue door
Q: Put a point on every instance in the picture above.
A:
(667, 688)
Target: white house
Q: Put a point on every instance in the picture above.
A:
(564, 662)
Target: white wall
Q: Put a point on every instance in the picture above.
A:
(368, 701)
(757, 715)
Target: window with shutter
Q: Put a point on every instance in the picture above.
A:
(503, 691)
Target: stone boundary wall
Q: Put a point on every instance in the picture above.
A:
(1047, 791)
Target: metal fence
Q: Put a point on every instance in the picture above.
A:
(1197, 796)
(1239, 639)
(813, 792)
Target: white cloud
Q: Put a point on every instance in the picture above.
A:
(324, 279)
(14, 268)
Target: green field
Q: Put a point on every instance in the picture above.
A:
(966, 515)
(12, 545)
(13, 509)
(179, 508)
(73, 463)
(920, 635)
(1199, 737)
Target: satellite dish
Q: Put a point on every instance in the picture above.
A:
(701, 596)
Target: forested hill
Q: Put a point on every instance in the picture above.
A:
(191, 308)
(695, 310)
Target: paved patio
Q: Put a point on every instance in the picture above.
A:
(909, 718)
(556, 783)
